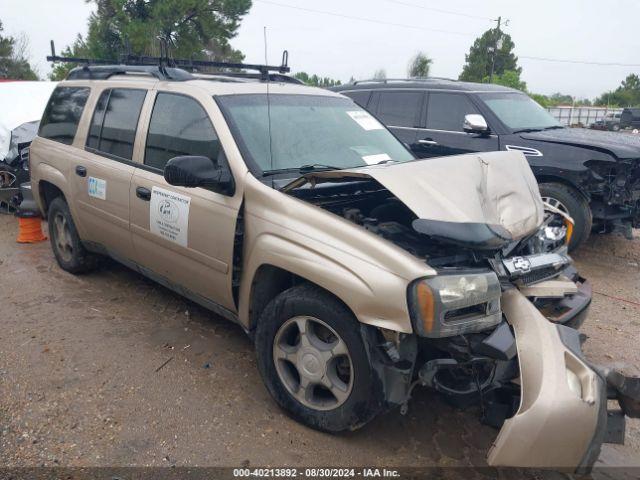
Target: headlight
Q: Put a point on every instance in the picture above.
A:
(449, 305)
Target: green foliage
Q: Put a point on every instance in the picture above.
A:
(419, 66)
(560, 99)
(508, 78)
(316, 81)
(14, 63)
(199, 29)
(626, 95)
(477, 65)
(543, 100)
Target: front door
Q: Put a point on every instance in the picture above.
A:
(183, 236)
(444, 134)
(102, 172)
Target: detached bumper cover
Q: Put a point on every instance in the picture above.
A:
(554, 427)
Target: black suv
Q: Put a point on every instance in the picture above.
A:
(593, 176)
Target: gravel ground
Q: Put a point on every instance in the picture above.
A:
(84, 378)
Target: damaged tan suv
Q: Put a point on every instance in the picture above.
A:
(359, 271)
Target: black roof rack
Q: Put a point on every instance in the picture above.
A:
(167, 68)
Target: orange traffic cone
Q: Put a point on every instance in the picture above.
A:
(30, 230)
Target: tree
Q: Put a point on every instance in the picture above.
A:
(626, 95)
(199, 29)
(316, 81)
(478, 61)
(14, 62)
(380, 74)
(419, 66)
(508, 78)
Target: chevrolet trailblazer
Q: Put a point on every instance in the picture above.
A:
(359, 271)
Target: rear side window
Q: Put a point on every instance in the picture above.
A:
(114, 122)
(361, 98)
(446, 111)
(179, 126)
(62, 115)
(399, 109)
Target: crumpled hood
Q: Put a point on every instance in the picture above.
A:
(618, 144)
(494, 188)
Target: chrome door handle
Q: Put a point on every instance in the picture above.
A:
(427, 142)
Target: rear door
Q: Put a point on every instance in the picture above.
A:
(400, 111)
(444, 135)
(102, 175)
(183, 237)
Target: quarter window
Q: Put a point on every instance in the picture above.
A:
(179, 126)
(63, 112)
(446, 111)
(399, 109)
(114, 122)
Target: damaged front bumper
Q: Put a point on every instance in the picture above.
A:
(562, 419)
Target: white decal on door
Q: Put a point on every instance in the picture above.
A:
(97, 188)
(169, 215)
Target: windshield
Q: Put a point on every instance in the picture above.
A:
(308, 131)
(518, 111)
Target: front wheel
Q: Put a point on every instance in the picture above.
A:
(570, 201)
(312, 358)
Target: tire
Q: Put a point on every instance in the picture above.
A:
(615, 128)
(575, 205)
(70, 254)
(363, 400)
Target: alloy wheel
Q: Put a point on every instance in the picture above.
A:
(313, 363)
(62, 239)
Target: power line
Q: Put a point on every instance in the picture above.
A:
(417, 27)
(439, 10)
(582, 62)
(362, 19)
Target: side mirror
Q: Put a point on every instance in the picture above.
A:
(194, 171)
(475, 123)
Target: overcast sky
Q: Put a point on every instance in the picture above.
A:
(341, 47)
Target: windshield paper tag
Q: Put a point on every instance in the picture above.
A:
(374, 159)
(97, 188)
(365, 120)
(169, 215)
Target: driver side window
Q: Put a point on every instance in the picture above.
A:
(179, 126)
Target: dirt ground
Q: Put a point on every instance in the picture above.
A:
(84, 378)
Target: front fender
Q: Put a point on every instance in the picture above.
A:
(376, 297)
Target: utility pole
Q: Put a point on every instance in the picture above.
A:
(496, 46)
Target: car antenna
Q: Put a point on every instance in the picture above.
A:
(266, 76)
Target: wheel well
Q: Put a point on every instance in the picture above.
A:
(269, 282)
(562, 181)
(48, 193)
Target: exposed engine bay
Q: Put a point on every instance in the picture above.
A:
(504, 280)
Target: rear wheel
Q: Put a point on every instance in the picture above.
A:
(65, 241)
(313, 360)
(570, 201)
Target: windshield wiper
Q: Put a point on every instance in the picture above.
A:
(302, 169)
(527, 130)
(553, 127)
